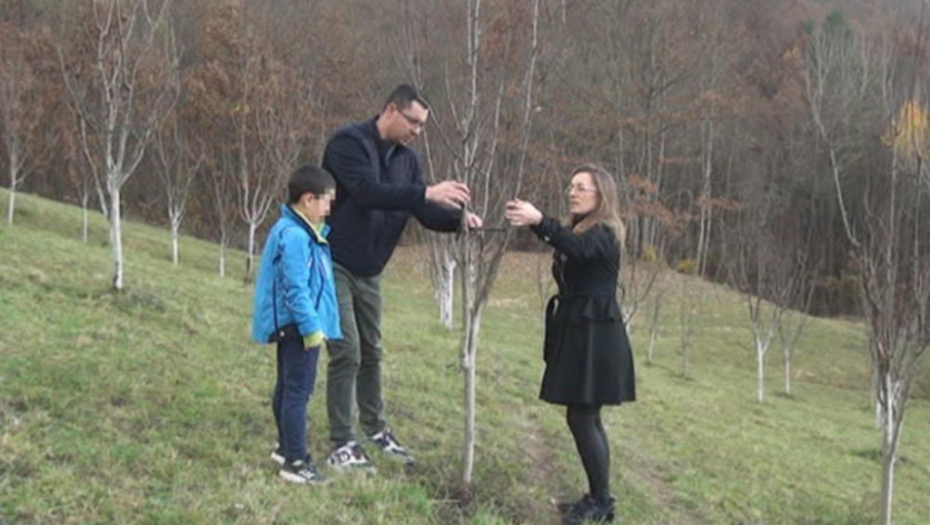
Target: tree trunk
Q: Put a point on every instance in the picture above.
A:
(469, 365)
(472, 323)
(684, 361)
(223, 258)
(116, 237)
(174, 243)
(889, 450)
(446, 291)
(787, 372)
(250, 261)
(13, 179)
(653, 335)
(84, 219)
(760, 371)
(12, 203)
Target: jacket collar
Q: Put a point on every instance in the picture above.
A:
(319, 234)
(384, 147)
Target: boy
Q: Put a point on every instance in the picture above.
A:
(295, 308)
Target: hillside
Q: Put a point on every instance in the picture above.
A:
(152, 406)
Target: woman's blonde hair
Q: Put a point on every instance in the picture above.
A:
(607, 210)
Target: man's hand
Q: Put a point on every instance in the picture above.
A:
(472, 221)
(522, 213)
(450, 193)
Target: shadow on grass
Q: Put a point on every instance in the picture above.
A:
(788, 397)
(456, 502)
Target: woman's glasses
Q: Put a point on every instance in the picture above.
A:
(580, 188)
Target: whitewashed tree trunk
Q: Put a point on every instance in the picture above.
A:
(116, 236)
(11, 205)
(761, 348)
(14, 181)
(763, 330)
(250, 261)
(795, 323)
(222, 262)
(446, 290)
(174, 243)
(470, 366)
(890, 438)
(686, 322)
(653, 327)
(787, 372)
(84, 219)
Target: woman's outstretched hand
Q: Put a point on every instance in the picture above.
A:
(522, 213)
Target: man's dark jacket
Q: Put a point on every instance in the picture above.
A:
(378, 186)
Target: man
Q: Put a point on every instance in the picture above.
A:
(379, 185)
(295, 307)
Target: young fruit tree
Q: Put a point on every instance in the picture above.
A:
(27, 136)
(177, 166)
(125, 88)
(876, 82)
(487, 146)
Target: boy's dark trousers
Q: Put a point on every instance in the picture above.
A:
(296, 379)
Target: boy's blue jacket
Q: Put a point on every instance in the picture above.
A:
(295, 281)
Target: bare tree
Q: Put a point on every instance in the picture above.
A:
(770, 281)
(441, 247)
(80, 173)
(25, 133)
(131, 86)
(889, 239)
(687, 311)
(223, 196)
(177, 166)
(655, 307)
(271, 123)
(478, 135)
(793, 325)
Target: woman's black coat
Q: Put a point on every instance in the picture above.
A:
(587, 352)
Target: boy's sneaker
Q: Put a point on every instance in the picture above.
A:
(350, 457)
(277, 455)
(302, 472)
(386, 441)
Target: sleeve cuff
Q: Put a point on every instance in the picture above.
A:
(314, 339)
(544, 228)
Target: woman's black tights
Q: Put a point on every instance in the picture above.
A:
(591, 440)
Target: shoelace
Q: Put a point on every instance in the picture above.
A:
(355, 452)
(388, 437)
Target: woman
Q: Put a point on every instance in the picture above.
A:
(589, 362)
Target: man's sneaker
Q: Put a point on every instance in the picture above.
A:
(386, 441)
(590, 510)
(350, 457)
(277, 455)
(303, 472)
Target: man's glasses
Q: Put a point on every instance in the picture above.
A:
(419, 124)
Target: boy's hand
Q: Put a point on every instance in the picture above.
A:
(314, 340)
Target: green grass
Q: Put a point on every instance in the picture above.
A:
(152, 406)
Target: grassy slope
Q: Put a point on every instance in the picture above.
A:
(152, 407)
